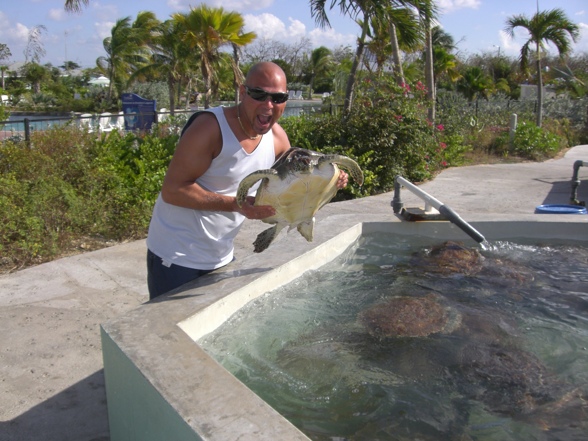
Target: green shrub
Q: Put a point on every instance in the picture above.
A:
(387, 132)
(70, 184)
(531, 142)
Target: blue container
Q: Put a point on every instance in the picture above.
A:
(561, 209)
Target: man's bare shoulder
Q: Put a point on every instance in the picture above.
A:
(281, 141)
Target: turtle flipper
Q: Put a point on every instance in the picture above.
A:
(306, 229)
(248, 181)
(345, 163)
(266, 237)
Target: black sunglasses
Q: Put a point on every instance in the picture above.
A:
(261, 95)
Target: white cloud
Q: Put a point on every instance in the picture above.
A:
(243, 5)
(581, 46)
(14, 35)
(266, 26)
(227, 5)
(104, 29)
(330, 38)
(453, 5)
(269, 27)
(297, 29)
(508, 46)
(57, 14)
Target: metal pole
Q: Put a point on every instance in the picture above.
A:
(27, 130)
(512, 127)
(447, 212)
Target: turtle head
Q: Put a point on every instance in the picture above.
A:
(297, 160)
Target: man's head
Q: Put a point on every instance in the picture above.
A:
(264, 96)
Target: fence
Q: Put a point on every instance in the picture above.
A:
(575, 110)
(20, 127)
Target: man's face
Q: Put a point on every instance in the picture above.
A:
(264, 103)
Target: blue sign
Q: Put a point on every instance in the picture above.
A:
(139, 112)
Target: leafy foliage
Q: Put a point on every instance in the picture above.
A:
(387, 132)
(71, 184)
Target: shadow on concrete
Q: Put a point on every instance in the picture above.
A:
(208, 279)
(64, 417)
(561, 192)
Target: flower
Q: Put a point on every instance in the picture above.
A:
(440, 127)
(443, 145)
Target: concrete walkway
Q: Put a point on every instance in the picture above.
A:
(51, 377)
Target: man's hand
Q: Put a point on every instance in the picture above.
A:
(251, 211)
(343, 180)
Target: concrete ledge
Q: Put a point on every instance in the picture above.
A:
(155, 371)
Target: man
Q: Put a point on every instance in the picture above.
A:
(196, 216)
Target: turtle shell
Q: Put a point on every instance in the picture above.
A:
(299, 184)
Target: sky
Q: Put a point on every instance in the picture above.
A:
(476, 25)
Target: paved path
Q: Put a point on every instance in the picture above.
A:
(51, 377)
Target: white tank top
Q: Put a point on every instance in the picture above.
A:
(204, 239)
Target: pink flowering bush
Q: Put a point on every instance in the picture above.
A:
(387, 132)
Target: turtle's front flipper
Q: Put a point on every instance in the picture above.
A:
(251, 179)
(306, 229)
(266, 237)
(347, 164)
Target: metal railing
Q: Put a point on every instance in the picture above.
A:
(21, 127)
(430, 202)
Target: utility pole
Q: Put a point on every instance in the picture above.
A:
(65, 43)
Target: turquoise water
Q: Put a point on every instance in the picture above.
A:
(511, 365)
(36, 122)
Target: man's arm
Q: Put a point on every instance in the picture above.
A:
(198, 146)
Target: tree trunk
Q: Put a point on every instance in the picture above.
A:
(355, 66)
(238, 78)
(539, 93)
(397, 62)
(429, 73)
(207, 80)
(172, 94)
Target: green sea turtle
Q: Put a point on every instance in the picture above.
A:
(410, 316)
(298, 184)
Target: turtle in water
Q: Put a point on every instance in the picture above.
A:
(454, 258)
(410, 316)
(299, 183)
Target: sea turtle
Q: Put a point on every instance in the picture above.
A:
(299, 183)
(454, 258)
(410, 316)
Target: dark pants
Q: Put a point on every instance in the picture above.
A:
(161, 279)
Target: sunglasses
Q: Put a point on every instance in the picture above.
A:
(261, 95)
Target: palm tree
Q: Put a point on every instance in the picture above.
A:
(544, 27)
(352, 8)
(444, 64)
(397, 28)
(35, 74)
(371, 11)
(127, 48)
(208, 29)
(474, 82)
(4, 55)
(75, 5)
(427, 12)
(171, 59)
(320, 64)
(442, 39)
(35, 49)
